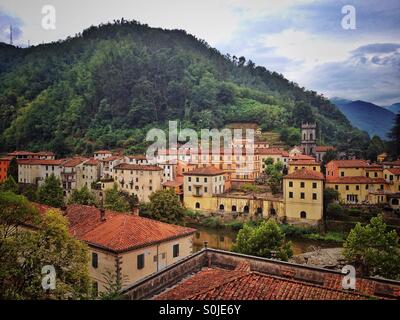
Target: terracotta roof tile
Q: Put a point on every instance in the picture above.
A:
(304, 162)
(305, 174)
(42, 162)
(103, 152)
(301, 157)
(112, 158)
(129, 166)
(205, 171)
(395, 171)
(91, 162)
(120, 232)
(324, 148)
(350, 163)
(73, 162)
(222, 284)
(271, 151)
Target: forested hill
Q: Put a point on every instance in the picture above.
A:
(107, 86)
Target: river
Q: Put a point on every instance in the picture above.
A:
(223, 239)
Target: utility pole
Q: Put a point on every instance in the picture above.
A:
(11, 39)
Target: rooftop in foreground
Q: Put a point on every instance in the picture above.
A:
(221, 275)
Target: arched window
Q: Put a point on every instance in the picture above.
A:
(234, 208)
(259, 211)
(246, 209)
(311, 136)
(304, 136)
(221, 207)
(303, 215)
(272, 212)
(197, 205)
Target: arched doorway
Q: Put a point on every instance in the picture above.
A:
(197, 205)
(303, 215)
(246, 209)
(221, 207)
(233, 208)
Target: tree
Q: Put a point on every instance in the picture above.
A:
(330, 195)
(114, 201)
(302, 113)
(15, 210)
(394, 136)
(25, 253)
(9, 185)
(165, 206)
(375, 148)
(51, 193)
(266, 240)
(329, 156)
(13, 169)
(82, 196)
(374, 248)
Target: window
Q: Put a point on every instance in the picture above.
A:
(302, 184)
(366, 187)
(368, 174)
(302, 195)
(175, 250)
(190, 188)
(303, 215)
(314, 168)
(234, 208)
(291, 195)
(347, 188)
(205, 179)
(205, 189)
(314, 185)
(190, 178)
(342, 173)
(140, 261)
(290, 183)
(221, 207)
(314, 196)
(197, 205)
(197, 179)
(95, 260)
(246, 209)
(336, 187)
(357, 187)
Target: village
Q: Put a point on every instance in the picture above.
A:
(133, 248)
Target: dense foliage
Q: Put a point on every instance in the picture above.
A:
(374, 248)
(107, 86)
(51, 192)
(164, 206)
(265, 240)
(24, 253)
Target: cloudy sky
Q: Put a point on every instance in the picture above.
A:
(302, 39)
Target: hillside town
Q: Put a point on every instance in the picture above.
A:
(132, 248)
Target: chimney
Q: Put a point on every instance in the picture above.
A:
(102, 214)
(135, 210)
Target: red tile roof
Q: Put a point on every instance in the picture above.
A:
(242, 284)
(138, 157)
(395, 171)
(130, 166)
(305, 162)
(206, 171)
(91, 162)
(356, 179)
(43, 162)
(73, 162)
(350, 163)
(112, 158)
(305, 174)
(174, 183)
(392, 163)
(120, 232)
(301, 157)
(103, 151)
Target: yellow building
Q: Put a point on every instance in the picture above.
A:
(277, 155)
(127, 246)
(141, 180)
(392, 176)
(304, 164)
(303, 196)
(201, 184)
(357, 181)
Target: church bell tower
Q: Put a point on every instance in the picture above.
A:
(308, 138)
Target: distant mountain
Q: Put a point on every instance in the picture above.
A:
(367, 116)
(395, 107)
(339, 101)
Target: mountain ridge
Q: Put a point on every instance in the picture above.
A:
(107, 86)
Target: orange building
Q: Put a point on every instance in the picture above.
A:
(4, 164)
